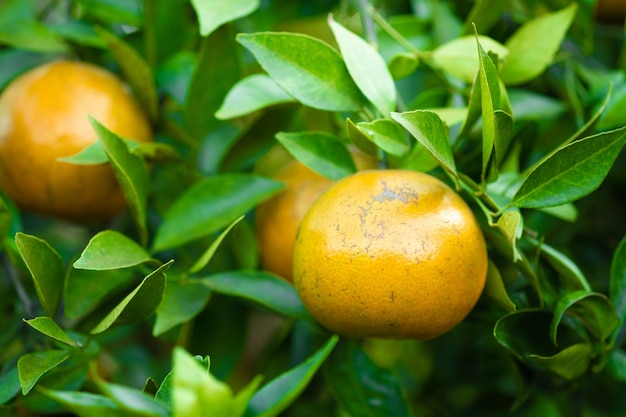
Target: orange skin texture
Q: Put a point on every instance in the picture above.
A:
(278, 219)
(43, 116)
(390, 254)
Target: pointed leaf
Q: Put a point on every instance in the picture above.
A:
(208, 254)
(131, 173)
(49, 327)
(533, 46)
(278, 394)
(182, 301)
(367, 68)
(430, 132)
(86, 404)
(570, 363)
(139, 304)
(387, 135)
(618, 280)
(495, 289)
(250, 94)
(572, 278)
(320, 151)
(307, 68)
(111, 250)
(510, 225)
(573, 172)
(33, 366)
(46, 268)
(211, 204)
(214, 13)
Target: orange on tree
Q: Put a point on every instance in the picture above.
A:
(277, 220)
(43, 117)
(391, 254)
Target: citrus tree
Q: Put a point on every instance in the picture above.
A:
(157, 159)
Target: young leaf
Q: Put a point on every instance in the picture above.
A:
(307, 68)
(49, 327)
(495, 289)
(361, 387)
(387, 135)
(33, 366)
(278, 394)
(573, 172)
(617, 289)
(111, 250)
(266, 289)
(320, 151)
(131, 173)
(85, 404)
(139, 304)
(209, 205)
(367, 68)
(182, 301)
(46, 268)
(136, 71)
(360, 139)
(250, 94)
(509, 225)
(532, 47)
(214, 13)
(430, 132)
(570, 363)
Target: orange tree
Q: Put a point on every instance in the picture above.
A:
(163, 310)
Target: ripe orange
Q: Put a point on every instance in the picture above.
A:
(43, 116)
(277, 220)
(392, 254)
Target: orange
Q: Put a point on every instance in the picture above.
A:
(390, 254)
(43, 117)
(277, 219)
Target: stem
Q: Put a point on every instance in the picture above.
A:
(391, 31)
(368, 23)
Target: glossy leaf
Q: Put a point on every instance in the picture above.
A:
(273, 398)
(32, 366)
(573, 172)
(387, 135)
(570, 274)
(361, 387)
(526, 332)
(46, 268)
(569, 363)
(495, 289)
(617, 289)
(360, 139)
(136, 71)
(320, 151)
(533, 46)
(266, 289)
(86, 404)
(367, 68)
(139, 304)
(430, 132)
(214, 13)
(131, 173)
(510, 225)
(9, 385)
(210, 205)
(110, 249)
(250, 94)
(49, 327)
(307, 68)
(182, 301)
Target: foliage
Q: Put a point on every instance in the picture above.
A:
(518, 104)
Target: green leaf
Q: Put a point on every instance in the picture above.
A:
(19, 28)
(46, 268)
(320, 151)
(133, 401)
(265, 289)
(593, 309)
(615, 365)
(214, 13)
(495, 289)
(573, 172)
(131, 173)
(570, 363)
(182, 301)
(510, 226)
(51, 329)
(115, 11)
(208, 254)
(209, 205)
(526, 332)
(459, 59)
(136, 71)
(9, 385)
(367, 68)
(617, 289)
(33, 366)
(111, 250)
(307, 68)
(278, 394)
(430, 132)
(387, 135)
(77, 31)
(572, 278)
(139, 304)
(533, 46)
(484, 15)
(360, 139)
(250, 94)
(361, 387)
(86, 404)
(94, 154)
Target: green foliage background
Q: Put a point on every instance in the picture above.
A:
(517, 104)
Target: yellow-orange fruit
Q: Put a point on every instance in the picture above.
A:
(391, 254)
(43, 117)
